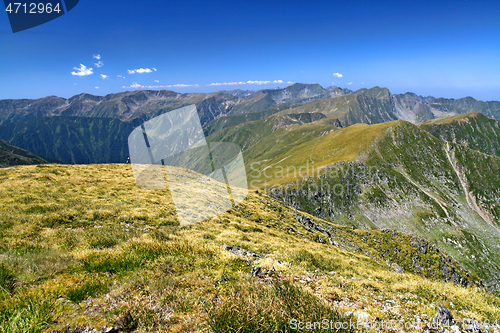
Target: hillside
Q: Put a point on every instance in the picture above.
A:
(473, 130)
(369, 106)
(396, 175)
(72, 139)
(11, 155)
(376, 105)
(83, 247)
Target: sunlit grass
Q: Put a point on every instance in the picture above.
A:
(84, 246)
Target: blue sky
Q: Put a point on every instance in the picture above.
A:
(438, 48)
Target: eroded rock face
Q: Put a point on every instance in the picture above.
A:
(308, 223)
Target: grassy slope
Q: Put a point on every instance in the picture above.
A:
(407, 179)
(11, 155)
(83, 245)
(306, 149)
(473, 130)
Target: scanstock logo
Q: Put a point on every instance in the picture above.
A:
(26, 15)
(170, 152)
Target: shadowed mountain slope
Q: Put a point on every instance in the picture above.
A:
(11, 155)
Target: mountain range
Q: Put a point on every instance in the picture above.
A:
(217, 111)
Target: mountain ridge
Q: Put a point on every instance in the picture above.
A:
(142, 105)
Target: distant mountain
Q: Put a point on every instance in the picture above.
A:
(238, 92)
(26, 122)
(11, 155)
(376, 105)
(418, 109)
(296, 91)
(138, 106)
(72, 139)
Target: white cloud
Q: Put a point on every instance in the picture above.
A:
(349, 82)
(362, 83)
(82, 71)
(105, 76)
(226, 84)
(97, 56)
(258, 82)
(290, 82)
(179, 85)
(157, 81)
(241, 83)
(120, 76)
(97, 87)
(337, 74)
(141, 70)
(98, 64)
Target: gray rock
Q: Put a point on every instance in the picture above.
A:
(443, 316)
(397, 268)
(240, 252)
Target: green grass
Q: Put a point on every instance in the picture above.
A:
(253, 307)
(86, 289)
(122, 258)
(312, 156)
(7, 279)
(27, 314)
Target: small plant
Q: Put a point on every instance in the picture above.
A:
(30, 314)
(87, 289)
(6, 279)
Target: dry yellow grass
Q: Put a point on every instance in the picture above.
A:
(85, 246)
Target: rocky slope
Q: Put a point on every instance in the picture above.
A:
(407, 179)
(473, 130)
